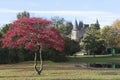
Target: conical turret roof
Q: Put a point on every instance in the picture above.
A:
(75, 27)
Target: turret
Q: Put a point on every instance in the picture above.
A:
(97, 21)
(75, 27)
(80, 25)
(75, 32)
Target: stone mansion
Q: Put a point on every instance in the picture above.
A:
(78, 30)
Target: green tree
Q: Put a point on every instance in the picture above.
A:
(12, 53)
(92, 41)
(66, 28)
(96, 25)
(5, 29)
(71, 46)
(111, 36)
(57, 21)
(23, 14)
(116, 24)
(62, 26)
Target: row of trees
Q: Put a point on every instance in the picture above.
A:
(38, 36)
(99, 41)
(95, 40)
(16, 55)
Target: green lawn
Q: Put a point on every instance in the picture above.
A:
(97, 59)
(61, 71)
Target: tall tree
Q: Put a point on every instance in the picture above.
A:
(23, 15)
(65, 29)
(57, 21)
(116, 24)
(69, 27)
(5, 29)
(96, 25)
(91, 41)
(62, 26)
(111, 36)
(33, 34)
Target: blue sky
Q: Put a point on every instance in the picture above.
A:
(106, 11)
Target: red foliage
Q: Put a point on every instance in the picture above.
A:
(30, 33)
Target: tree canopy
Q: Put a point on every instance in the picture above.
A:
(33, 34)
(116, 24)
(62, 26)
(92, 42)
(23, 15)
(111, 36)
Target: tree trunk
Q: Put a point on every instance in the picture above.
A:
(41, 62)
(40, 67)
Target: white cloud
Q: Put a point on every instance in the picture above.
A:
(9, 11)
(105, 18)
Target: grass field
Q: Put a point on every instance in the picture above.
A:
(98, 59)
(61, 71)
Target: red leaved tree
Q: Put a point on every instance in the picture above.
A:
(33, 34)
